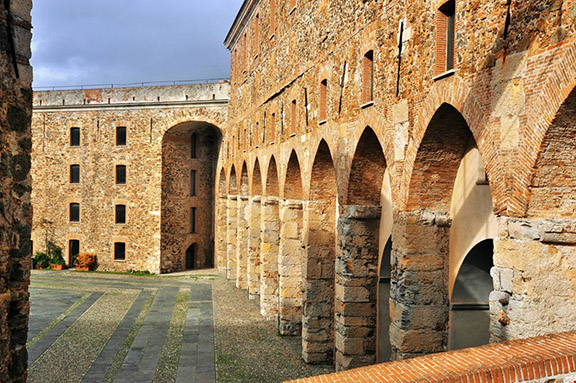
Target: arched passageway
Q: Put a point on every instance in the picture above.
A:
(319, 266)
(254, 233)
(191, 257)
(232, 225)
(269, 244)
(469, 304)
(449, 210)
(189, 155)
(291, 254)
(242, 244)
(359, 226)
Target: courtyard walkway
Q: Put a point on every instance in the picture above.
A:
(196, 327)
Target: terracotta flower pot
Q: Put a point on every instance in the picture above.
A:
(57, 267)
(82, 268)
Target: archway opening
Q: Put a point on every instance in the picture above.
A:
(254, 233)
(242, 244)
(191, 257)
(189, 155)
(469, 308)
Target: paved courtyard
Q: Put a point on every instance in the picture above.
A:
(196, 327)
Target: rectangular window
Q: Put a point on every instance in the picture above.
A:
(74, 212)
(121, 136)
(74, 136)
(73, 250)
(74, 174)
(120, 214)
(193, 144)
(293, 117)
(192, 220)
(445, 37)
(323, 101)
(119, 251)
(368, 78)
(193, 183)
(120, 174)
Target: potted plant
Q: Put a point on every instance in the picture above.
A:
(85, 262)
(54, 251)
(42, 260)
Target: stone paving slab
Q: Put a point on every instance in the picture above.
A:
(43, 344)
(48, 306)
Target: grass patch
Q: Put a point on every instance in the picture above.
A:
(145, 273)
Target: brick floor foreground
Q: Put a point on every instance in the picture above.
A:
(119, 328)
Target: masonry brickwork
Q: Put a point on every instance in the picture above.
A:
(160, 122)
(355, 111)
(15, 186)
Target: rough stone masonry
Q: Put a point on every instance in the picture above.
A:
(15, 186)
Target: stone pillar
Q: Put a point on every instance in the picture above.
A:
(269, 258)
(290, 261)
(419, 292)
(242, 244)
(231, 237)
(318, 297)
(356, 286)
(534, 278)
(221, 234)
(254, 236)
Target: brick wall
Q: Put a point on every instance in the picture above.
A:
(550, 359)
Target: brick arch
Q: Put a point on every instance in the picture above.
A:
(272, 188)
(293, 181)
(256, 179)
(454, 92)
(217, 120)
(367, 171)
(436, 164)
(542, 125)
(244, 187)
(323, 184)
(222, 183)
(552, 190)
(232, 181)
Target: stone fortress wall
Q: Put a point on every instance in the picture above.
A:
(159, 123)
(15, 186)
(384, 201)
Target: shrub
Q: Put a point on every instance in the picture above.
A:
(86, 260)
(42, 259)
(55, 253)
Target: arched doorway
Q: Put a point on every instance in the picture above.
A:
(469, 305)
(189, 155)
(191, 257)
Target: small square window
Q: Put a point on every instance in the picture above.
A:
(119, 251)
(121, 136)
(120, 174)
(74, 174)
(74, 136)
(74, 212)
(120, 214)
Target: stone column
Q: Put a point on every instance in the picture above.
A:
(231, 238)
(290, 261)
(534, 278)
(318, 297)
(221, 234)
(419, 293)
(356, 286)
(254, 236)
(242, 244)
(269, 258)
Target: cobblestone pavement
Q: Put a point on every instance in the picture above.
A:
(93, 327)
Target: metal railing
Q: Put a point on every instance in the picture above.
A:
(133, 84)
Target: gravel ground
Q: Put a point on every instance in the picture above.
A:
(248, 347)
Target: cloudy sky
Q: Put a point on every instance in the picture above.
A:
(121, 41)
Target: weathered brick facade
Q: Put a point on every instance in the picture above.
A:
(159, 161)
(448, 162)
(15, 210)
